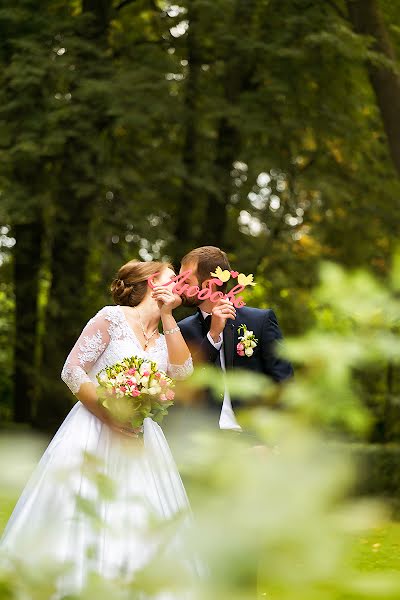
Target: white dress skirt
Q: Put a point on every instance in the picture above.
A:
(99, 501)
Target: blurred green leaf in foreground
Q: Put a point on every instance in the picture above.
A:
(281, 518)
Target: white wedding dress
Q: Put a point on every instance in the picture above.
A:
(48, 519)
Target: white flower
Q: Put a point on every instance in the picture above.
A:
(253, 344)
(248, 351)
(146, 366)
(152, 391)
(248, 333)
(103, 376)
(155, 385)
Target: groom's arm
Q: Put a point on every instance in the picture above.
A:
(278, 368)
(204, 351)
(201, 348)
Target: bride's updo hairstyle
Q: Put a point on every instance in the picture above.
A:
(130, 285)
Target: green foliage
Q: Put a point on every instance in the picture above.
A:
(256, 512)
(287, 517)
(127, 133)
(378, 468)
(6, 341)
(357, 327)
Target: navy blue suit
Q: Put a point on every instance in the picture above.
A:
(262, 322)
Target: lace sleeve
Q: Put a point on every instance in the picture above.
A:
(91, 343)
(181, 371)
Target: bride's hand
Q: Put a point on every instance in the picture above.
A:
(121, 428)
(124, 429)
(166, 300)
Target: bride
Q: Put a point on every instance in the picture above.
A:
(58, 512)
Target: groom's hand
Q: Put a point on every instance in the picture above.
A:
(222, 311)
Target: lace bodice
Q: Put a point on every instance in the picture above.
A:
(108, 338)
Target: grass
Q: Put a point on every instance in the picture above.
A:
(6, 506)
(378, 550)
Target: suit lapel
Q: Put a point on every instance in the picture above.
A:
(229, 336)
(201, 322)
(232, 338)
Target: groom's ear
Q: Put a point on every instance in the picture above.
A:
(205, 283)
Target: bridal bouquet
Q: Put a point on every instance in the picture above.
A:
(134, 389)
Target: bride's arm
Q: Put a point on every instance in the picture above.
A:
(91, 343)
(87, 395)
(180, 362)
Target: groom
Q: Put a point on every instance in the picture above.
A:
(212, 332)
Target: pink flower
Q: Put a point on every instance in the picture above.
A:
(123, 388)
(157, 375)
(170, 395)
(241, 352)
(135, 392)
(131, 382)
(163, 382)
(163, 397)
(240, 347)
(146, 373)
(131, 371)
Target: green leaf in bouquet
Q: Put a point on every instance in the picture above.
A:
(146, 402)
(145, 411)
(163, 405)
(136, 404)
(155, 407)
(158, 417)
(137, 420)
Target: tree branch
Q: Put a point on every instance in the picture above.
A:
(123, 3)
(336, 8)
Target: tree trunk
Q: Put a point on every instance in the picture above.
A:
(238, 72)
(228, 142)
(67, 310)
(26, 276)
(366, 19)
(186, 226)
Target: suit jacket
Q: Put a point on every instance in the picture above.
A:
(262, 322)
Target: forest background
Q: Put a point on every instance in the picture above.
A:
(143, 128)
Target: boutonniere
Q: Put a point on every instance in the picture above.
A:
(248, 341)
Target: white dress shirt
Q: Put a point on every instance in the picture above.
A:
(227, 418)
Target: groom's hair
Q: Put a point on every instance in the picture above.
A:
(207, 259)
